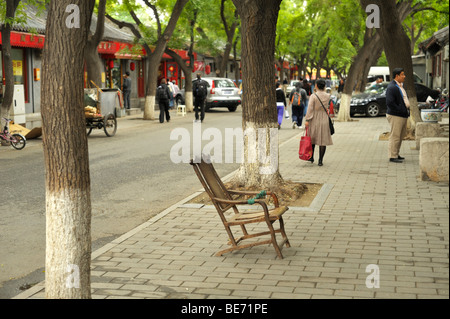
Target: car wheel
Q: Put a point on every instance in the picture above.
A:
(232, 108)
(373, 109)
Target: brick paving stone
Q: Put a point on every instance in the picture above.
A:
(373, 212)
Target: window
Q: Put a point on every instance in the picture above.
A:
(19, 69)
(17, 56)
(437, 65)
(224, 84)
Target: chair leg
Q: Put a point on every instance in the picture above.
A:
(244, 230)
(274, 240)
(283, 233)
(230, 236)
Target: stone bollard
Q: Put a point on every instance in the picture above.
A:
(424, 129)
(434, 159)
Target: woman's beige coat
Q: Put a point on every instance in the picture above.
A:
(319, 129)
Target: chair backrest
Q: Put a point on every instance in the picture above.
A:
(211, 181)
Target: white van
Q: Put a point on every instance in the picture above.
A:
(377, 71)
(383, 71)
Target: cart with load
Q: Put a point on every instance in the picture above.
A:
(100, 110)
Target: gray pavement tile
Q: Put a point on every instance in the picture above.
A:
(368, 212)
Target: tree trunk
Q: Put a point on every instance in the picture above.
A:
(372, 42)
(154, 60)
(397, 47)
(259, 118)
(8, 90)
(188, 78)
(68, 202)
(93, 61)
(372, 59)
(237, 75)
(230, 35)
(152, 78)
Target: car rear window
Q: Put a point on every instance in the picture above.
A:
(223, 84)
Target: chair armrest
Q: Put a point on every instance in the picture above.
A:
(274, 196)
(244, 202)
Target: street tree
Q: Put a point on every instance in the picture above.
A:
(5, 28)
(155, 46)
(426, 18)
(67, 181)
(285, 41)
(93, 61)
(184, 38)
(397, 47)
(217, 27)
(230, 25)
(376, 40)
(12, 12)
(258, 31)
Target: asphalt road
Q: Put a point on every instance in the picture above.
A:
(132, 180)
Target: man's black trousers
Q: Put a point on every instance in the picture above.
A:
(199, 106)
(164, 109)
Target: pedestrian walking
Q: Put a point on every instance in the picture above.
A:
(172, 95)
(175, 87)
(126, 89)
(285, 85)
(398, 105)
(317, 121)
(297, 101)
(307, 88)
(281, 103)
(200, 91)
(341, 87)
(163, 97)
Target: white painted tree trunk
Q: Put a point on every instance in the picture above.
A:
(67, 275)
(66, 156)
(344, 108)
(189, 102)
(149, 108)
(260, 157)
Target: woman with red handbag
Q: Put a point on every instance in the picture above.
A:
(317, 120)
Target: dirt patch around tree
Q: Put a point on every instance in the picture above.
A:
(289, 193)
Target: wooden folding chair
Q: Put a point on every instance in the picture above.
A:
(223, 201)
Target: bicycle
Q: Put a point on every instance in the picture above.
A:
(18, 141)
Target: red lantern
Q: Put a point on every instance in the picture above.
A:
(132, 66)
(208, 69)
(171, 68)
(111, 64)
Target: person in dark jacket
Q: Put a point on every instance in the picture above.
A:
(397, 114)
(281, 103)
(126, 89)
(297, 110)
(199, 99)
(163, 101)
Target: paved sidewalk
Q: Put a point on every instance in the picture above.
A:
(369, 212)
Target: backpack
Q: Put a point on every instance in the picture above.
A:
(161, 93)
(201, 90)
(296, 98)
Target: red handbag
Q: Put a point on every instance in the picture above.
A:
(305, 149)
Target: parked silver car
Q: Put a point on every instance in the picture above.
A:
(222, 92)
(291, 86)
